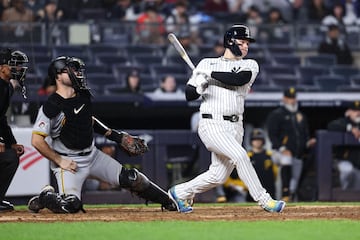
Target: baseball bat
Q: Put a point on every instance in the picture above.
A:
(180, 49)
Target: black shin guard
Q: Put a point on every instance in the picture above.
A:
(138, 183)
(61, 203)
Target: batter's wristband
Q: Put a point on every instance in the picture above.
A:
(115, 136)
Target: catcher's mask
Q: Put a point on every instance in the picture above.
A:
(236, 32)
(18, 65)
(75, 67)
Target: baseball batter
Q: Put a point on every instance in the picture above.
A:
(223, 84)
(63, 133)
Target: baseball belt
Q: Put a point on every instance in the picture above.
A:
(74, 154)
(231, 118)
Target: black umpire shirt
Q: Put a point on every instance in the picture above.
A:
(6, 91)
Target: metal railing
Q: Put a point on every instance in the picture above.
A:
(299, 36)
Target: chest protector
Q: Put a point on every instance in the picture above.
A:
(77, 131)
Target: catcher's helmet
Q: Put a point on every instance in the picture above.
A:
(75, 67)
(237, 31)
(257, 133)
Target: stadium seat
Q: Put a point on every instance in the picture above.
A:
(146, 59)
(307, 73)
(324, 60)
(284, 80)
(148, 83)
(95, 68)
(158, 69)
(350, 88)
(113, 89)
(101, 79)
(346, 71)
(355, 80)
(110, 59)
(119, 69)
(280, 69)
(95, 49)
(91, 14)
(274, 49)
(69, 50)
(286, 59)
(143, 49)
(41, 69)
(33, 79)
(330, 83)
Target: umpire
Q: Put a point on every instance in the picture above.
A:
(289, 135)
(10, 151)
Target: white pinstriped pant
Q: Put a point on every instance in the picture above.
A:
(224, 140)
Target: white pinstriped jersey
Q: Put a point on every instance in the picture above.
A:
(223, 99)
(222, 137)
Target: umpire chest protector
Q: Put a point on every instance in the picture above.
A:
(77, 130)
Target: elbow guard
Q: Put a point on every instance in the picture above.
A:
(190, 93)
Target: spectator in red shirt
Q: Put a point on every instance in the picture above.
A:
(150, 25)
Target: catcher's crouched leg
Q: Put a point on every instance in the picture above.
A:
(138, 183)
(60, 203)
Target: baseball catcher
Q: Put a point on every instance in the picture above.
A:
(67, 118)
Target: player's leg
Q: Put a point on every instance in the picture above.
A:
(219, 170)
(111, 171)
(183, 194)
(9, 162)
(296, 169)
(226, 139)
(68, 200)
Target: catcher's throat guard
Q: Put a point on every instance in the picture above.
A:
(138, 183)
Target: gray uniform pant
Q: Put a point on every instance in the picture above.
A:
(96, 164)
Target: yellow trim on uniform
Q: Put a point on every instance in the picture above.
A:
(40, 133)
(62, 180)
(285, 140)
(269, 153)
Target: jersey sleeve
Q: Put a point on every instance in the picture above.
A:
(192, 79)
(42, 124)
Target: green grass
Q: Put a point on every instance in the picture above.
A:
(186, 230)
(174, 230)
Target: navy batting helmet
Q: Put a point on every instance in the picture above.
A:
(237, 31)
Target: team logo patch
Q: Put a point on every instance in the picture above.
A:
(42, 125)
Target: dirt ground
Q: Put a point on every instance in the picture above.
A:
(200, 213)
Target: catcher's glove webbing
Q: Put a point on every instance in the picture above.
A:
(132, 145)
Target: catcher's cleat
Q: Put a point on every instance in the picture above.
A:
(275, 206)
(183, 206)
(34, 204)
(169, 207)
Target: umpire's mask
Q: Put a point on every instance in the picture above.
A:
(18, 65)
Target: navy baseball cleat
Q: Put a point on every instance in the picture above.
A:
(275, 206)
(183, 206)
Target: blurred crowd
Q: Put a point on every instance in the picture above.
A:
(343, 12)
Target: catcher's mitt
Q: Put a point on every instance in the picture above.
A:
(132, 145)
